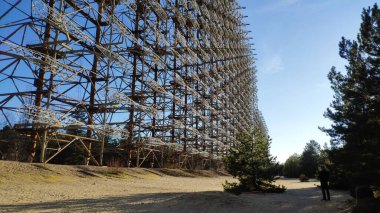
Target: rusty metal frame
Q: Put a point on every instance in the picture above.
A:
(134, 71)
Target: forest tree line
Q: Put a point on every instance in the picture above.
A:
(354, 156)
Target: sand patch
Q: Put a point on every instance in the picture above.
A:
(29, 188)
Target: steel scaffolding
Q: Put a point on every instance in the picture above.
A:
(155, 77)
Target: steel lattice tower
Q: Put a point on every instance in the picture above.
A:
(156, 76)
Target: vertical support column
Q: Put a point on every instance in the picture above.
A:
(39, 83)
(174, 86)
(135, 53)
(49, 93)
(93, 76)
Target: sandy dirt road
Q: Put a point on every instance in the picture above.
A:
(63, 190)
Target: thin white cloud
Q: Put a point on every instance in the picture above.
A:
(273, 65)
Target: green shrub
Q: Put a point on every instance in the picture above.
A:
(234, 188)
(238, 188)
(271, 188)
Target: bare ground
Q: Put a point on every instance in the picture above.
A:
(55, 188)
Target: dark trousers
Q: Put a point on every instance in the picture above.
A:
(325, 191)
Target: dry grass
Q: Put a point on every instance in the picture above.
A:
(58, 188)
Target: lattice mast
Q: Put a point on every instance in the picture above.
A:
(149, 75)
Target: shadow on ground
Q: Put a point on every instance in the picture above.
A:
(293, 200)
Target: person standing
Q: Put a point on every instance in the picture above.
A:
(324, 176)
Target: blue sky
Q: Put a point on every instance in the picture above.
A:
(296, 43)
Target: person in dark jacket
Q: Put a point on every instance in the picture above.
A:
(324, 176)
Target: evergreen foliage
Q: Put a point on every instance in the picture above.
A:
(251, 162)
(292, 166)
(324, 156)
(73, 154)
(310, 158)
(355, 110)
(13, 146)
(307, 163)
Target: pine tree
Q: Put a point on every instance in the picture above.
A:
(310, 158)
(292, 166)
(355, 110)
(251, 162)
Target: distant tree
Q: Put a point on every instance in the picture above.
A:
(251, 162)
(324, 156)
(292, 166)
(5, 128)
(13, 145)
(355, 110)
(280, 169)
(80, 116)
(310, 158)
(73, 154)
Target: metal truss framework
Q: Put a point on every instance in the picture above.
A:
(155, 76)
